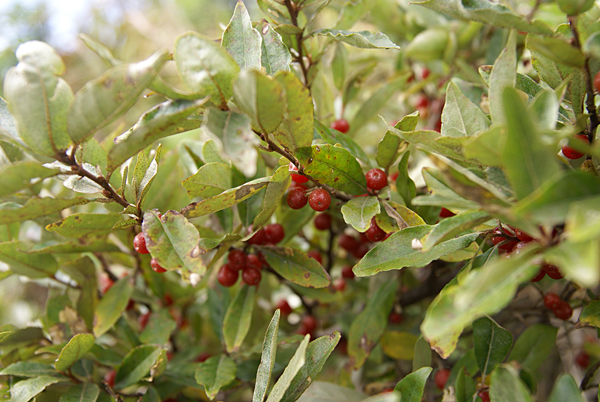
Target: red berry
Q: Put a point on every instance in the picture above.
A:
(202, 357)
(484, 395)
(262, 259)
(298, 178)
(109, 378)
(309, 323)
(316, 255)
(582, 359)
(348, 242)
(445, 213)
(139, 243)
(236, 259)
(395, 318)
(374, 232)
(323, 221)
(363, 238)
(551, 300)
(143, 320)
(284, 307)
(319, 200)
(516, 250)
(339, 284)
(425, 73)
(105, 284)
(522, 235)
(253, 261)
(296, 184)
(563, 311)
(156, 266)
(376, 179)
(251, 276)
(258, 238)
(168, 299)
(297, 198)
(342, 346)
(572, 153)
(539, 276)
(552, 271)
(347, 272)
(341, 126)
(227, 276)
(360, 251)
(304, 331)
(422, 102)
(394, 176)
(497, 240)
(441, 377)
(274, 233)
(508, 246)
(597, 81)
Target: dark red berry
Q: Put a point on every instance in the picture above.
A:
(323, 221)
(348, 242)
(551, 300)
(347, 272)
(441, 377)
(363, 238)
(298, 178)
(360, 251)
(316, 255)
(552, 271)
(484, 395)
(394, 176)
(376, 179)
(202, 357)
(508, 246)
(597, 81)
(425, 73)
(105, 284)
(236, 259)
(156, 266)
(522, 235)
(570, 152)
(422, 102)
(304, 331)
(563, 311)
(582, 359)
(341, 126)
(395, 318)
(253, 261)
(296, 198)
(227, 276)
(319, 200)
(374, 232)
(539, 276)
(339, 284)
(274, 233)
(109, 378)
(309, 322)
(139, 244)
(168, 299)
(143, 320)
(251, 276)
(262, 259)
(258, 238)
(497, 240)
(284, 307)
(446, 213)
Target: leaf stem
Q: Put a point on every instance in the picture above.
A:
(293, 10)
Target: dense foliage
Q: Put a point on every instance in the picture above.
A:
(311, 211)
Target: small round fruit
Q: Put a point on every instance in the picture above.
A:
(284, 307)
(376, 179)
(105, 284)
(319, 200)
(422, 102)
(551, 300)
(339, 284)
(484, 395)
(236, 259)
(394, 176)
(363, 238)
(341, 125)
(374, 232)
(227, 276)
(582, 359)
(156, 266)
(309, 322)
(425, 73)
(360, 251)
(395, 318)
(202, 357)
(441, 377)
(109, 378)
(522, 235)
(139, 244)
(253, 261)
(570, 152)
(143, 320)
(348, 242)
(296, 198)
(258, 238)
(563, 311)
(552, 271)
(251, 276)
(446, 213)
(347, 272)
(316, 255)
(597, 81)
(274, 233)
(539, 276)
(323, 221)
(298, 178)
(508, 246)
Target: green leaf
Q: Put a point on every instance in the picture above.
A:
(533, 346)
(261, 98)
(136, 365)
(412, 386)
(334, 137)
(22, 263)
(565, 389)
(111, 306)
(276, 188)
(507, 386)
(328, 392)
(557, 50)
(453, 226)
(362, 39)
(173, 241)
(503, 76)
(24, 390)
(428, 45)
(267, 359)
(317, 353)
(86, 392)
(389, 146)
(590, 314)
(226, 199)
(215, 373)
(205, 67)
(491, 342)
(339, 66)
(527, 160)
(334, 166)
(90, 243)
(36, 207)
(10, 335)
(165, 119)
(29, 369)
(210, 180)
(108, 97)
(238, 317)
(359, 211)
(422, 354)
(159, 328)
(399, 345)
(18, 176)
(397, 251)
(461, 117)
(83, 224)
(487, 147)
(465, 387)
(404, 184)
(38, 99)
(369, 325)
(241, 40)
(290, 372)
(296, 129)
(296, 266)
(441, 193)
(275, 56)
(74, 350)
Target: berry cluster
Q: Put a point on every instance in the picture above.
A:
(139, 245)
(250, 265)
(319, 199)
(559, 307)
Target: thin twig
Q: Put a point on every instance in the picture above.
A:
(588, 376)
(293, 10)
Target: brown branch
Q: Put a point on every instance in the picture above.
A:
(585, 383)
(293, 10)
